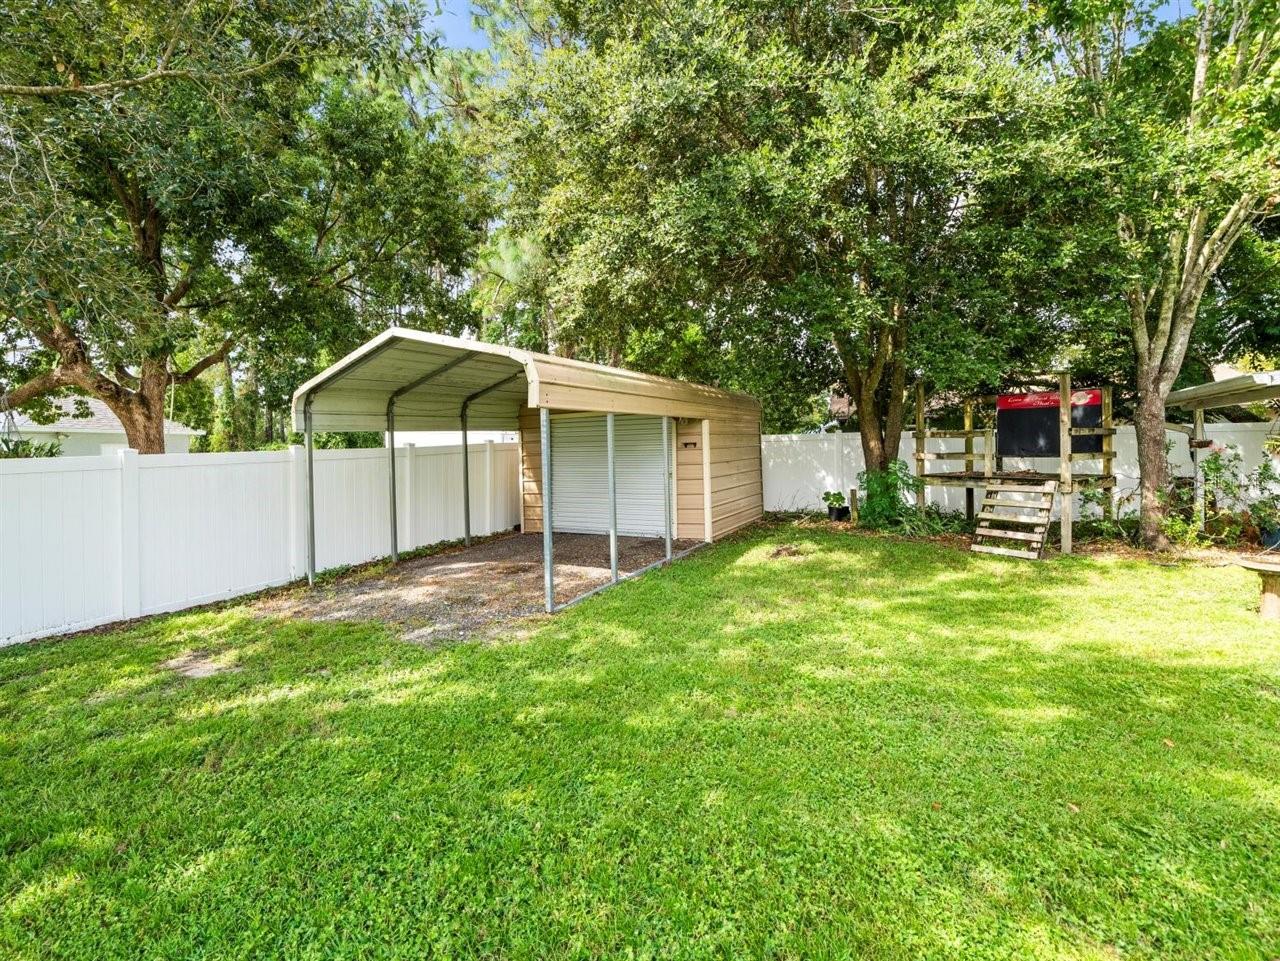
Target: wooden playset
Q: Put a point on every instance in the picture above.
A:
(1017, 504)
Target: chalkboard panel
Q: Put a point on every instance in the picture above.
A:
(1027, 424)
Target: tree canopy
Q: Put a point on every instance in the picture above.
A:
(777, 197)
(188, 182)
(784, 197)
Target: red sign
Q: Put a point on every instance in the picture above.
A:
(1038, 399)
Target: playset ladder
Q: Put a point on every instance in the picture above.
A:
(1014, 520)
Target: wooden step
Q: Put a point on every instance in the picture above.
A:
(1018, 487)
(1005, 552)
(1035, 536)
(1039, 505)
(1012, 519)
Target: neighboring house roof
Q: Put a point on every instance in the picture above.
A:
(99, 421)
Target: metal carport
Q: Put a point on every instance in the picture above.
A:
(414, 380)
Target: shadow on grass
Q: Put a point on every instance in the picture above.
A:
(864, 748)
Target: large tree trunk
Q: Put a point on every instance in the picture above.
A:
(141, 411)
(1162, 318)
(880, 406)
(1148, 423)
(143, 419)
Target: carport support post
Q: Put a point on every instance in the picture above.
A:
(613, 498)
(309, 436)
(666, 480)
(544, 417)
(391, 476)
(466, 482)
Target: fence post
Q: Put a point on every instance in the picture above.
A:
(130, 536)
(297, 511)
(837, 447)
(407, 513)
(488, 487)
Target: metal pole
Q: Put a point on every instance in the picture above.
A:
(666, 480)
(613, 498)
(311, 491)
(466, 454)
(466, 482)
(1066, 488)
(391, 473)
(548, 562)
(1197, 434)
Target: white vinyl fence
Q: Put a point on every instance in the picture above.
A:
(798, 468)
(90, 540)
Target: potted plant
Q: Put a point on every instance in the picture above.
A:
(837, 506)
(1265, 513)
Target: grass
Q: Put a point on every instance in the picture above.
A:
(865, 748)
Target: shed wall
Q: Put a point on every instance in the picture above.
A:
(727, 449)
(691, 520)
(737, 490)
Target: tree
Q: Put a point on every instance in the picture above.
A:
(776, 196)
(1184, 123)
(377, 224)
(146, 151)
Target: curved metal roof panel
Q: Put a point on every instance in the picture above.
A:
(430, 376)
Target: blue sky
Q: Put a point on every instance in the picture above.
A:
(454, 21)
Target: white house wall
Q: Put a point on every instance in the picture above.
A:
(94, 444)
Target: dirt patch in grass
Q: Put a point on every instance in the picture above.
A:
(465, 593)
(195, 664)
(791, 550)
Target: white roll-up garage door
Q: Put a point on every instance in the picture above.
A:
(580, 474)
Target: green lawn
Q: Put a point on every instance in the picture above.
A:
(870, 749)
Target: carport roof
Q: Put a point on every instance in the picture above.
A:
(430, 376)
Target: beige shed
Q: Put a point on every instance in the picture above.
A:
(619, 452)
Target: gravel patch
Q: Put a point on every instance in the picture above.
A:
(466, 592)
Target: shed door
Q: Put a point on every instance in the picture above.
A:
(580, 474)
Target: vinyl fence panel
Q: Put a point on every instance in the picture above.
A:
(798, 468)
(86, 541)
(60, 544)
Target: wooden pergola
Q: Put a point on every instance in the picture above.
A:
(1230, 392)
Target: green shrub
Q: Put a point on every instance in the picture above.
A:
(890, 505)
(10, 448)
